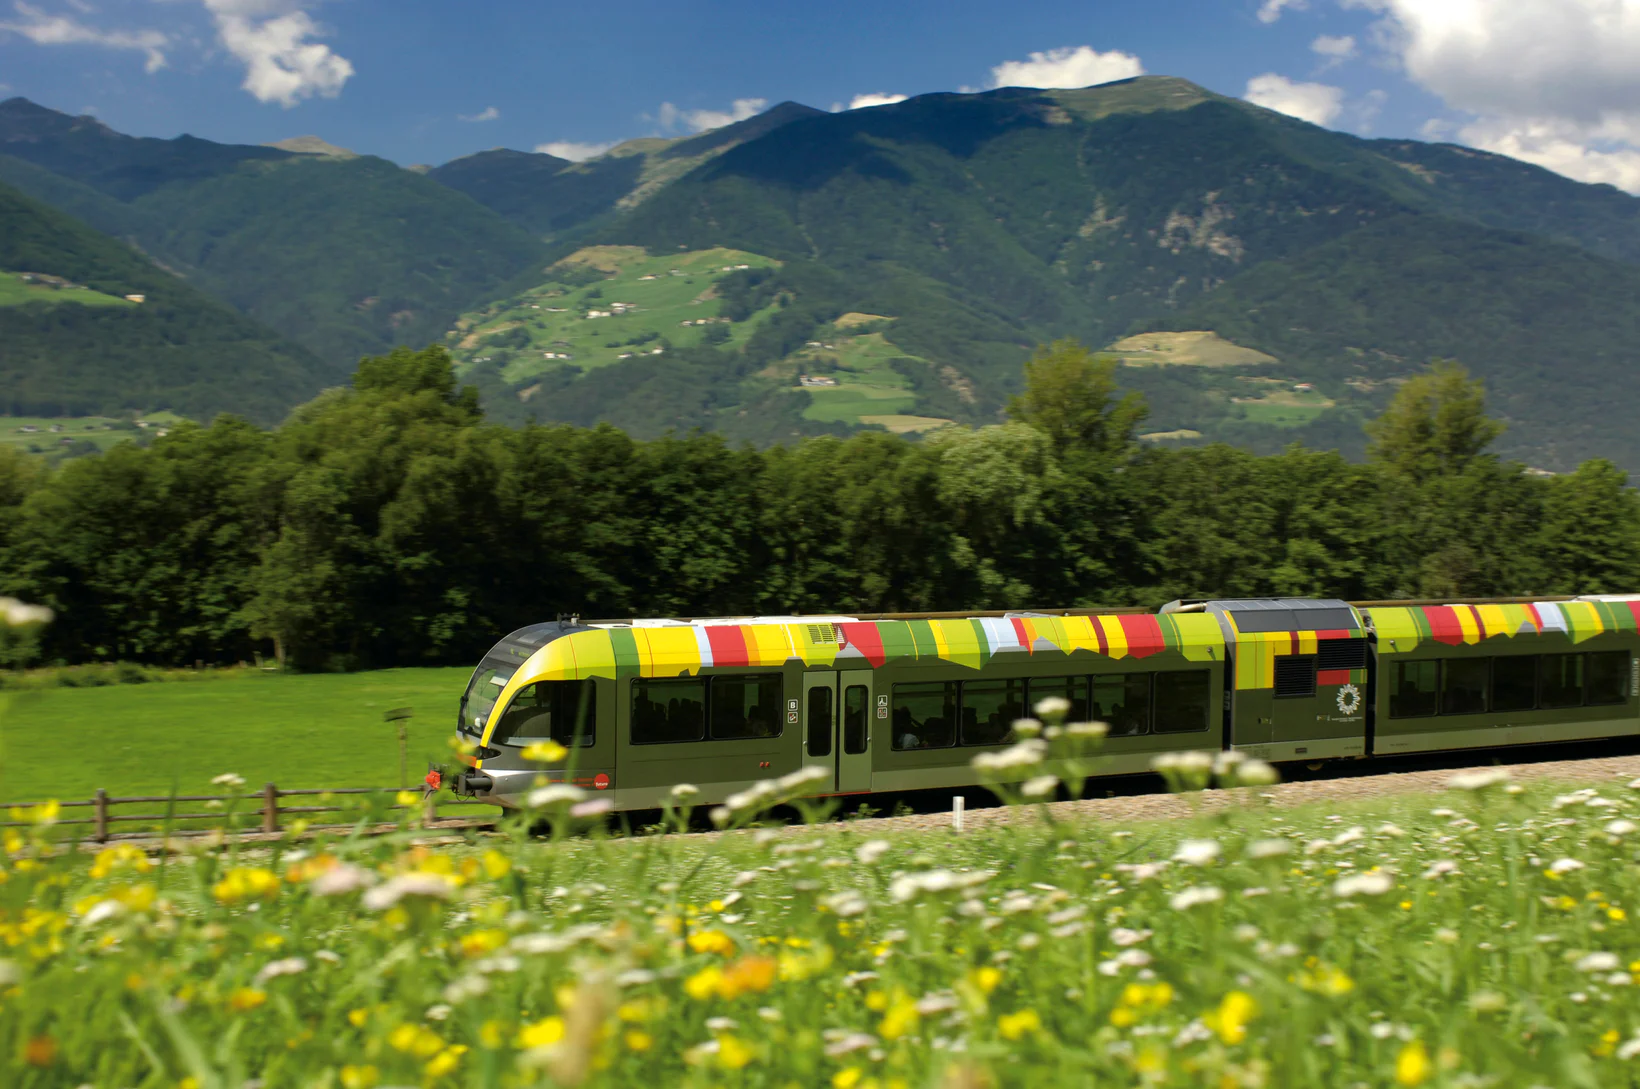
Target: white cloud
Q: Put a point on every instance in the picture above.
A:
(1366, 110)
(1271, 10)
(573, 151)
(1066, 68)
(488, 113)
(1340, 48)
(273, 39)
(42, 28)
(671, 116)
(874, 98)
(1316, 103)
(1554, 82)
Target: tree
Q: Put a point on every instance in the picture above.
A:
(1436, 425)
(1071, 394)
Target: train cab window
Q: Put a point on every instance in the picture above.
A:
(1606, 677)
(856, 727)
(925, 715)
(820, 722)
(1122, 700)
(989, 709)
(749, 706)
(1414, 690)
(549, 711)
(1073, 690)
(1182, 701)
(668, 711)
(1514, 682)
(1560, 681)
(1463, 686)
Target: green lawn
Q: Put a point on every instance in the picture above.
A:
(847, 403)
(14, 292)
(97, 430)
(1279, 414)
(296, 731)
(663, 293)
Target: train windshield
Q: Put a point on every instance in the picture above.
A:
(479, 699)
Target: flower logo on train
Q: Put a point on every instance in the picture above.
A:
(1349, 699)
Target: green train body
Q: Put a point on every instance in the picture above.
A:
(892, 704)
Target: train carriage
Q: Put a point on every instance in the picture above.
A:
(897, 703)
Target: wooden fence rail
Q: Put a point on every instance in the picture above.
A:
(266, 802)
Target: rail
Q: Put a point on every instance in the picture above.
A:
(266, 807)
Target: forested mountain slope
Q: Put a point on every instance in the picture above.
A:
(80, 349)
(346, 256)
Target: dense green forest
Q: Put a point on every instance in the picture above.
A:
(388, 523)
(179, 349)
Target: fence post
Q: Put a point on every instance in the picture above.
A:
(270, 808)
(100, 813)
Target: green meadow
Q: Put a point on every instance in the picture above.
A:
(320, 730)
(15, 291)
(101, 431)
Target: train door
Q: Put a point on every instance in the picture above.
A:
(837, 727)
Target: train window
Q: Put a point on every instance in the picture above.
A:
(1414, 691)
(1560, 681)
(750, 706)
(549, 711)
(856, 727)
(925, 715)
(989, 709)
(1463, 686)
(666, 711)
(1123, 701)
(1295, 675)
(1073, 690)
(1182, 701)
(820, 722)
(1514, 682)
(1607, 677)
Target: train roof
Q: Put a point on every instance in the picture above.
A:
(1261, 615)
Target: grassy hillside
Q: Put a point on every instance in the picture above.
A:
(346, 256)
(179, 349)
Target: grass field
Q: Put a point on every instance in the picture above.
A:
(663, 293)
(293, 730)
(14, 291)
(1191, 349)
(98, 430)
(1284, 408)
(1475, 938)
(868, 389)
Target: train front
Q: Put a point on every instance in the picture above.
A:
(491, 751)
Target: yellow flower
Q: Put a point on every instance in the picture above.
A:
(1616, 915)
(242, 883)
(358, 1017)
(985, 980)
(704, 983)
(748, 974)
(445, 1061)
(496, 865)
(548, 1030)
(1412, 1065)
(639, 1040)
(489, 1034)
(900, 1018)
(1406, 905)
(1327, 980)
(734, 1053)
(1017, 1026)
(711, 941)
(639, 1010)
(1230, 1019)
(120, 856)
(545, 752)
(246, 999)
(44, 813)
(407, 797)
(1608, 1043)
(269, 941)
(417, 1040)
(846, 1078)
(359, 1077)
(480, 942)
(1138, 999)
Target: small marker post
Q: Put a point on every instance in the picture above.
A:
(958, 804)
(399, 716)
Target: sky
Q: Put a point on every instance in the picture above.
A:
(1555, 82)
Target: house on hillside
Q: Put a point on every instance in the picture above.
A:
(816, 380)
(136, 298)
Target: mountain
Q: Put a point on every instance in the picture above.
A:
(76, 344)
(346, 255)
(553, 197)
(983, 224)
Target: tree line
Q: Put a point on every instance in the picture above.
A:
(388, 524)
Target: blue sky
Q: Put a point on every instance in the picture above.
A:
(1553, 81)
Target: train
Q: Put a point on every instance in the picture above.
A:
(889, 703)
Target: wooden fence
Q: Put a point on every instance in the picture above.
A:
(265, 804)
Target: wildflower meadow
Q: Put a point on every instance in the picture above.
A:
(1478, 937)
